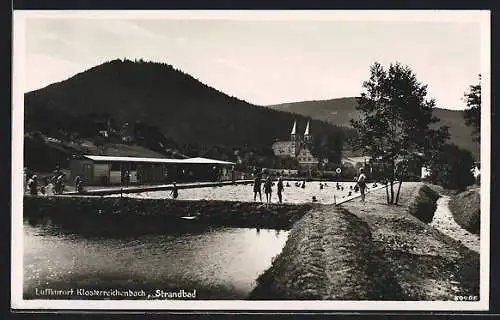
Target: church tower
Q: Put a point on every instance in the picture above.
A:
(307, 135)
(293, 139)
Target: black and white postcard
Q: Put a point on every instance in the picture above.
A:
(251, 160)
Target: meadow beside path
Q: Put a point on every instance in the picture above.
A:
(425, 263)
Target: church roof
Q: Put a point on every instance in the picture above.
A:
(307, 129)
(282, 143)
(294, 127)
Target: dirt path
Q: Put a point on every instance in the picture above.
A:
(444, 222)
(426, 264)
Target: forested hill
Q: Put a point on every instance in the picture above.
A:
(339, 111)
(165, 99)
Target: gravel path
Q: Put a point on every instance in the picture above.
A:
(444, 222)
(425, 263)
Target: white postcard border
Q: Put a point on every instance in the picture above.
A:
(19, 19)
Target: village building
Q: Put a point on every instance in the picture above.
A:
(298, 147)
(110, 170)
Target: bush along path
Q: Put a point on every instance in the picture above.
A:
(466, 209)
(425, 263)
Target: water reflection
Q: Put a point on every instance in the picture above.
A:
(221, 263)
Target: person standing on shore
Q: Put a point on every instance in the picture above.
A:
(268, 189)
(175, 192)
(45, 183)
(50, 187)
(59, 186)
(280, 190)
(257, 188)
(78, 184)
(77, 179)
(361, 183)
(33, 185)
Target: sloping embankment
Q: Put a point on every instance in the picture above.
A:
(108, 216)
(426, 264)
(423, 205)
(371, 251)
(328, 255)
(466, 210)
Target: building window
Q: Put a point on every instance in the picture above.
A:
(115, 166)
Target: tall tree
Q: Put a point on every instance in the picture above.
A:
(394, 122)
(452, 169)
(472, 115)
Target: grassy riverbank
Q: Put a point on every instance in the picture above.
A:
(324, 258)
(372, 251)
(466, 209)
(426, 264)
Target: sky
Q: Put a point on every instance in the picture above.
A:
(262, 61)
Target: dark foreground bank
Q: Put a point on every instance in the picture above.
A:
(327, 257)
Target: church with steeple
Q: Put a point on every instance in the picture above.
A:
(298, 147)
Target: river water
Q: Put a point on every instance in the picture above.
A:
(220, 263)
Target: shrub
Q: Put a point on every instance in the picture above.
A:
(424, 204)
(465, 208)
(452, 168)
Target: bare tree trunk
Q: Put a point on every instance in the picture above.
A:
(386, 182)
(399, 189)
(392, 192)
(401, 177)
(393, 177)
(387, 190)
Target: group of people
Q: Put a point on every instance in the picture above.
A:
(268, 184)
(49, 185)
(268, 188)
